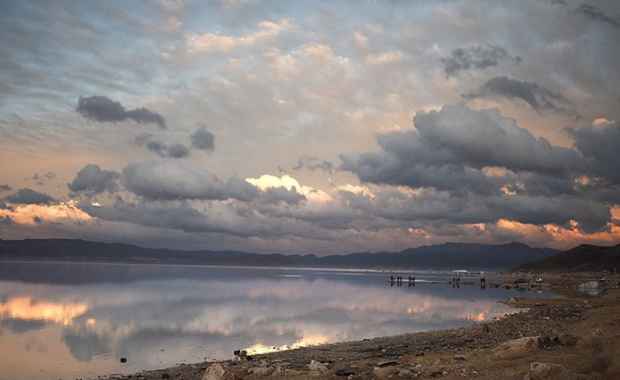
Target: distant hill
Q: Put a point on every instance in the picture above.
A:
(439, 257)
(82, 250)
(579, 259)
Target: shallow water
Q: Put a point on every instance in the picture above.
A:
(68, 321)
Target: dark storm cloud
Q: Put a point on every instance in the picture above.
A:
(540, 98)
(275, 195)
(203, 139)
(601, 144)
(475, 58)
(161, 148)
(166, 179)
(448, 159)
(29, 196)
(451, 148)
(313, 163)
(596, 14)
(486, 138)
(92, 179)
(102, 109)
(5, 188)
(392, 204)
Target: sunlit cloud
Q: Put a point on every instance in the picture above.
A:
(33, 214)
(267, 181)
(210, 42)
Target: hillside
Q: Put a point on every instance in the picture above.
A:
(439, 257)
(579, 259)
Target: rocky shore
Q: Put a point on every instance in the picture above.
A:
(575, 337)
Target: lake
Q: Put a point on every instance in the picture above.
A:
(77, 320)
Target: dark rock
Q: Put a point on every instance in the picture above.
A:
(123, 360)
(344, 373)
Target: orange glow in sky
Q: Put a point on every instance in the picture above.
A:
(26, 214)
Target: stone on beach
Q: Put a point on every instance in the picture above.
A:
(516, 348)
(219, 371)
(546, 371)
(316, 366)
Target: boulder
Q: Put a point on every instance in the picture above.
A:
(565, 339)
(261, 371)
(516, 348)
(219, 371)
(593, 337)
(547, 371)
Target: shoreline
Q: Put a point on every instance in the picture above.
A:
(578, 333)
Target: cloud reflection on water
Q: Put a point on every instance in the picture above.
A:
(157, 322)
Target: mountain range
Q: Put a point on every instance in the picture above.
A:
(448, 256)
(579, 259)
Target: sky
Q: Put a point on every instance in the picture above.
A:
(323, 127)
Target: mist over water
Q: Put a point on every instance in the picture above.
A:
(60, 320)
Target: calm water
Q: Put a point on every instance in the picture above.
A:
(77, 320)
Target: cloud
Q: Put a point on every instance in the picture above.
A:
(30, 197)
(94, 180)
(468, 166)
(451, 148)
(161, 148)
(540, 98)
(43, 179)
(476, 58)
(313, 163)
(178, 151)
(103, 109)
(209, 42)
(172, 179)
(5, 188)
(275, 195)
(601, 144)
(598, 15)
(203, 139)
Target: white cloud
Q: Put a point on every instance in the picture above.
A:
(210, 42)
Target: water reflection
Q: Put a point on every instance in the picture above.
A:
(168, 315)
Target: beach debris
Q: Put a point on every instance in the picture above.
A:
(242, 355)
(516, 348)
(316, 366)
(547, 371)
(218, 371)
